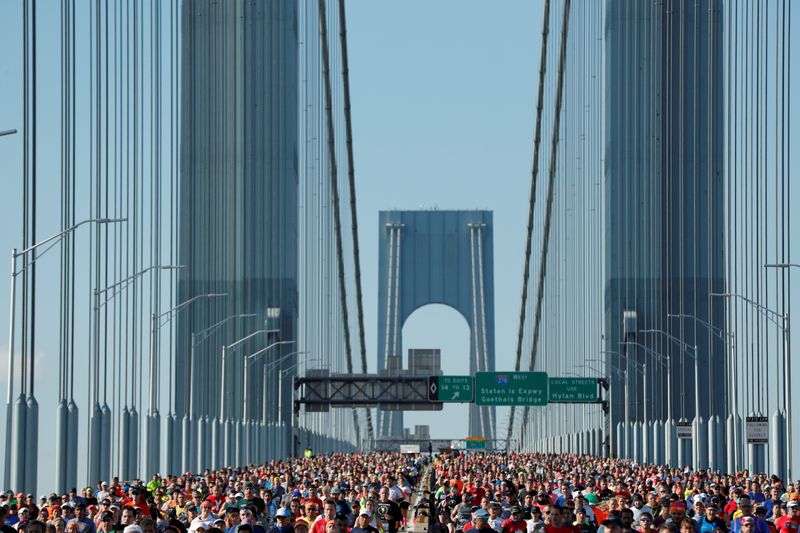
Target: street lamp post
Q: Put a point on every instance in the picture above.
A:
(246, 428)
(659, 358)
(787, 375)
(692, 352)
(247, 360)
(223, 441)
(623, 450)
(624, 375)
(587, 415)
(203, 336)
(172, 447)
(17, 425)
(295, 418)
(229, 349)
(610, 433)
(197, 429)
(781, 320)
(729, 338)
(99, 449)
(268, 368)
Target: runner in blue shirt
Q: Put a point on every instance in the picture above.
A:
(751, 523)
(710, 522)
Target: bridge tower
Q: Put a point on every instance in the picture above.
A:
(443, 257)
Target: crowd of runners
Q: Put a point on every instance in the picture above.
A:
(446, 493)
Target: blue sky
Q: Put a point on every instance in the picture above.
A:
(443, 112)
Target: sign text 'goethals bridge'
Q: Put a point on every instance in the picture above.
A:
(511, 388)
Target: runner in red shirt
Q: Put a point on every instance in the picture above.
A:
(477, 493)
(790, 522)
(732, 506)
(216, 498)
(557, 522)
(515, 523)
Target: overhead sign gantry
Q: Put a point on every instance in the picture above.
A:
(320, 390)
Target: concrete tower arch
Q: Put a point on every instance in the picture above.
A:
(443, 257)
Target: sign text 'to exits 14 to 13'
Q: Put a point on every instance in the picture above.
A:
(450, 389)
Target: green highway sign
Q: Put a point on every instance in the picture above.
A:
(451, 389)
(476, 444)
(511, 388)
(573, 390)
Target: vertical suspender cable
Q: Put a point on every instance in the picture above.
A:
(755, 184)
(133, 143)
(489, 411)
(695, 193)
(389, 293)
(172, 155)
(25, 200)
(681, 197)
(63, 273)
(73, 196)
(97, 188)
(397, 264)
(747, 200)
(667, 260)
(106, 228)
(537, 137)
(475, 319)
(352, 183)
(729, 225)
(710, 189)
(396, 300)
(32, 88)
(323, 29)
(156, 158)
(32, 429)
(759, 204)
(779, 278)
(550, 189)
(736, 188)
(69, 179)
(117, 263)
(139, 418)
(153, 400)
(127, 240)
(743, 158)
(787, 130)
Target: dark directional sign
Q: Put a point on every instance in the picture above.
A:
(450, 389)
(573, 390)
(511, 388)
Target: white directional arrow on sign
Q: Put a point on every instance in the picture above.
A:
(433, 388)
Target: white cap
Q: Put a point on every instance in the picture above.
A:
(133, 528)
